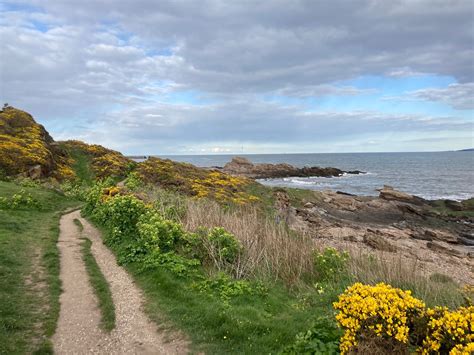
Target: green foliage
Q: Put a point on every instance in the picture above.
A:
(159, 233)
(226, 288)
(222, 247)
(330, 264)
(27, 182)
(173, 262)
(133, 181)
(121, 214)
(322, 338)
(75, 190)
(20, 200)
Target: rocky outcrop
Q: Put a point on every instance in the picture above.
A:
(243, 167)
(390, 194)
(393, 225)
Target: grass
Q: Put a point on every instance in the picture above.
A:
(29, 271)
(247, 324)
(100, 286)
(82, 165)
(441, 207)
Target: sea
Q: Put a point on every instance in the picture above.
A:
(431, 175)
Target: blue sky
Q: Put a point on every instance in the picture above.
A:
(182, 77)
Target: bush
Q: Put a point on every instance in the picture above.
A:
(20, 200)
(321, 338)
(376, 311)
(222, 248)
(159, 233)
(121, 214)
(225, 287)
(330, 264)
(449, 331)
(133, 181)
(74, 190)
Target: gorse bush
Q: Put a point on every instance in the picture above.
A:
(392, 319)
(449, 331)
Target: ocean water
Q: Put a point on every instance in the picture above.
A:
(433, 175)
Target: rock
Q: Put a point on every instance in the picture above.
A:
(35, 172)
(344, 193)
(378, 242)
(454, 205)
(442, 249)
(390, 194)
(244, 167)
(442, 236)
(308, 205)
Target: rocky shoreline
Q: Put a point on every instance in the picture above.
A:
(394, 224)
(243, 167)
(436, 236)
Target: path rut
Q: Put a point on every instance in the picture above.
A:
(78, 330)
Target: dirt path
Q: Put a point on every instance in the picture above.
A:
(78, 329)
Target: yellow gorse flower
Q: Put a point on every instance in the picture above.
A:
(381, 310)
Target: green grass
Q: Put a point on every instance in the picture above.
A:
(100, 286)
(82, 166)
(441, 207)
(29, 271)
(246, 324)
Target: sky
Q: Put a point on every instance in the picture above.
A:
(225, 76)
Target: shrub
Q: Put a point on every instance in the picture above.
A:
(20, 200)
(225, 287)
(449, 331)
(159, 233)
(133, 181)
(121, 215)
(376, 311)
(321, 338)
(330, 264)
(173, 262)
(74, 190)
(222, 247)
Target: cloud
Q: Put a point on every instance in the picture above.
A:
(458, 96)
(183, 72)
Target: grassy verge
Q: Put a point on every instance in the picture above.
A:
(29, 270)
(100, 286)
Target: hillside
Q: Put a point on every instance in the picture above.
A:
(27, 149)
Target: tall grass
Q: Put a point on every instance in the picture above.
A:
(273, 252)
(270, 250)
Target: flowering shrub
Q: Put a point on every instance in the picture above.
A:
(104, 162)
(380, 310)
(196, 182)
(449, 331)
